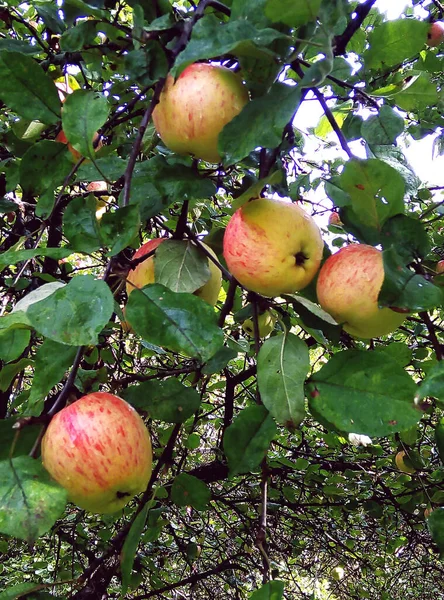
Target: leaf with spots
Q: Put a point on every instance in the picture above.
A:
(363, 392)
(30, 501)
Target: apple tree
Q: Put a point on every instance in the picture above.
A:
(291, 457)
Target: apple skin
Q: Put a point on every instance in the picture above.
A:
(194, 109)
(348, 287)
(435, 36)
(99, 450)
(400, 463)
(143, 273)
(272, 247)
(440, 267)
(265, 321)
(334, 219)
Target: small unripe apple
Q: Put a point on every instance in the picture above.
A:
(193, 110)
(435, 36)
(143, 273)
(265, 321)
(334, 219)
(348, 287)
(400, 463)
(272, 247)
(99, 449)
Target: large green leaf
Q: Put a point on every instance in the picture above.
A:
(179, 322)
(129, 548)
(12, 257)
(282, 367)
(273, 590)
(167, 400)
(12, 343)
(247, 439)
(18, 442)
(80, 224)
(433, 384)
(394, 41)
(384, 127)
(363, 392)
(30, 501)
(27, 89)
(435, 523)
(292, 13)
(181, 266)
(190, 491)
(74, 314)
(84, 112)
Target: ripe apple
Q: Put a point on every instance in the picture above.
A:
(348, 287)
(265, 321)
(194, 109)
(400, 463)
(435, 36)
(440, 267)
(143, 273)
(272, 247)
(99, 450)
(427, 512)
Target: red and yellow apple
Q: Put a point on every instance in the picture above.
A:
(265, 321)
(334, 219)
(348, 287)
(193, 110)
(143, 273)
(272, 247)
(435, 36)
(99, 450)
(440, 267)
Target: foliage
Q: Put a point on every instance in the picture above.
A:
(265, 479)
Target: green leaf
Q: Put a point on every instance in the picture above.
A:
(177, 321)
(12, 257)
(439, 436)
(210, 39)
(339, 112)
(384, 127)
(146, 65)
(435, 523)
(190, 491)
(30, 501)
(363, 392)
(167, 400)
(418, 96)
(27, 89)
(261, 123)
(80, 224)
(393, 156)
(9, 371)
(433, 384)
(247, 439)
(24, 441)
(12, 45)
(292, 13)
(84, 112)
(74, 314)
(20, 590)
(375, 189)
(129, 548)
(51, 362)
(110, 168)
(219, 360)
(40, 293)
(180, 266)
(119, 228)
(273, 590)
(282, 366)
(404, 289)
(75, 38)
(408, 236)
(394, 41)
(12, 343)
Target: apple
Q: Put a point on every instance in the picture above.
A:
(334, 219)
(99, 450)
(143, 273)
(272, 247)
(427, 512)
(435, 36)
(265, 321)
(348, 287)
(194, 109)
(61, 137)
(400, 463)
(440, 267)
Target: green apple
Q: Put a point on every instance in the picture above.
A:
(435, 36)
(348, 287)
(99, 450)
(194, 109)
(265, 321)
(143, 273)
(272, 247)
